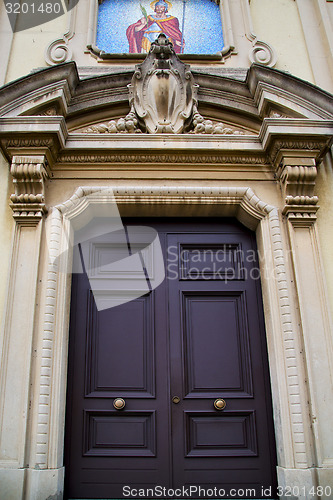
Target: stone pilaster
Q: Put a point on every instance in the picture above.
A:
(29, 174)
(297, 177)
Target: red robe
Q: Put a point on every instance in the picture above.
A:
(169, 26)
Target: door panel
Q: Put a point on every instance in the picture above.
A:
(217, 351)
(112, 354)
(228, 435)
(199, 336)
(123, 364)
(211, 366)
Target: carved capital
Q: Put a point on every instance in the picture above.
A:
(298, 179)
(302, 218)
(29, 174)
(302, 150)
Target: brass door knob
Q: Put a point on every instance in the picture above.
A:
(176, 400)
(119, 403)
(220, 404)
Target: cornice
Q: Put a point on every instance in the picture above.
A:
(46, 77)
(94, 99)
(33, 135)
(267, 96)
(296, 137)
(35, 124)
(83, 103)
(212, 86)
(56, 94)
(171, 142)
(259, 75)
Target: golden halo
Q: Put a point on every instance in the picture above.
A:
(152, 5)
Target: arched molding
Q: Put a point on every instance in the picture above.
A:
(235, 202)
(292, 427)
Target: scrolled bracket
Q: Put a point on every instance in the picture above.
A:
(298, 178)
(29, 174)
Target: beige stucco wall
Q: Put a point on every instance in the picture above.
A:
(324, 189)
(330, 11)
(7, 225)
(6, 37)
(277, 22)
(28, 47)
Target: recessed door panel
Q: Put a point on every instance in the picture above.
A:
(122, 364)
(214, 261)
(215, 343)
(228, 435)
(129, 435)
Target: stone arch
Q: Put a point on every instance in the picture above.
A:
(238, 202)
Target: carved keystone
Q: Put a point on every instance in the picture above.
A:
(29, 174)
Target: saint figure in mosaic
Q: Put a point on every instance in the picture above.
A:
(141, 34)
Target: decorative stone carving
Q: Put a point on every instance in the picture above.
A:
(277, 114)
(298, 183)
(162, 91)
(192, 159)
(58, 52)
(49, 112)
(129, 124)
(202, 126)
(126, 125)
(316, 147)
(29, 174)
(30, 142)
(163, 99)
(262, 53)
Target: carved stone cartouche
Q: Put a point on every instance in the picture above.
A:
(163, 99)
(162, 91)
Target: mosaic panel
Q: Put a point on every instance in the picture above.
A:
(128, 26)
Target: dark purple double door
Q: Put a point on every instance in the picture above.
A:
(170, 355)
